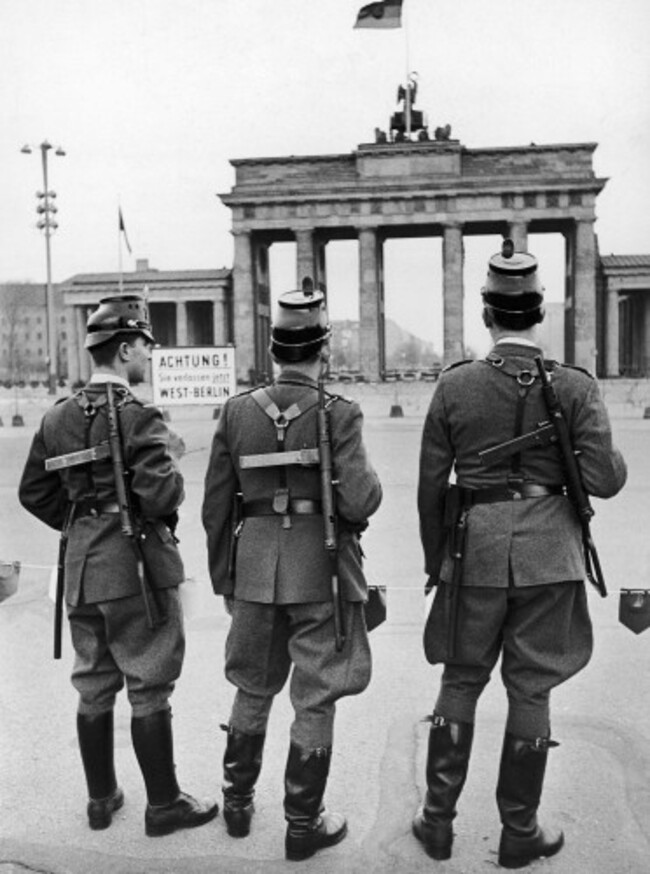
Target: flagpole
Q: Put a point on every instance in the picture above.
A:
(407, 103)
(119, 259)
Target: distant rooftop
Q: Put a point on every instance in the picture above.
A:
(621, 262)
(28, 294)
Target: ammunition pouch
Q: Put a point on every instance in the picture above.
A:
(375, 608)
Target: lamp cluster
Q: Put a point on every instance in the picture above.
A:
(47, 209)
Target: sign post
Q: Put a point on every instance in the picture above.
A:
(193, 375)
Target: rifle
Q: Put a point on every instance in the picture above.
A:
(235, 533)
(575, 489)
(154, 618)
(60, 580)
(456, 512)
(329, 510)
(543, 435)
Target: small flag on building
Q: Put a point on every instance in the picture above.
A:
(387, 13)
(123, 230)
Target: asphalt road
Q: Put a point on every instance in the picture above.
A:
(598, 779)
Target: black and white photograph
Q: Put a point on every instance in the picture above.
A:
(324, 431)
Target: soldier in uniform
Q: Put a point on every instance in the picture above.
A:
(521, 592)
(279, 593)
(112, 640)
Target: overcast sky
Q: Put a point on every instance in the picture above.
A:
(152, 98)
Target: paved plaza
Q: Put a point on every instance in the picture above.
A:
(598, 783)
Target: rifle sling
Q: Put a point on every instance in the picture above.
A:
(281, 419)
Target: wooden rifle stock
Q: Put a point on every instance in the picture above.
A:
(126, 517)
(329, 511)
(575, 489)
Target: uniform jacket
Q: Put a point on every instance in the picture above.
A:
(276, 564)
(100, 563)
(535, 540)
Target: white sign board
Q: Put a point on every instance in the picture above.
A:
(202, 375)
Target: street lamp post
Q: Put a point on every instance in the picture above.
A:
(47, 224)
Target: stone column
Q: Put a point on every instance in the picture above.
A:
(305, 260)
(369, 303)
(181, 323)
(646, 335)
(518, 233)
(611, 333)
(262, 288)
(219, 323)
(321, 265)
(452, 262)
(75, 346)
(585, 296)
(243, 304)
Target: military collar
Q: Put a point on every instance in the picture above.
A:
(295, 377)
(511, 347)
(103, 378)
(509, 340)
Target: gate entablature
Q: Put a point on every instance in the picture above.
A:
(425, 188)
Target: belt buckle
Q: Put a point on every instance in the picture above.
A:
(281, 502)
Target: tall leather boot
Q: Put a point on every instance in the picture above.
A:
(242, 763)
(95, 734)
(519, 791)
(450, 745)
(168, 809)
(309, 828)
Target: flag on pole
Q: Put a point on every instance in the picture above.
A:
(123, 230)
(384, 14)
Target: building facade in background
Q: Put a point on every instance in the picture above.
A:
(23, 334)
(624, 310)
(186, 307)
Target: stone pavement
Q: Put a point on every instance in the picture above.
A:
(598, 779)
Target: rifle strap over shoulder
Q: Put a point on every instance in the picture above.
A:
(90, 411)
(525, 379)
(281, 419)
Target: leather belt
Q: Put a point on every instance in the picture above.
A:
(95, 508)
(296, 507)
(514, 492)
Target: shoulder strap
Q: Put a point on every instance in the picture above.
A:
(281, 418)
(525, 379)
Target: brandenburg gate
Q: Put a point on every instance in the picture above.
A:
(411, 189)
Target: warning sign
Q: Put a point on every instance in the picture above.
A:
(193, 375)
